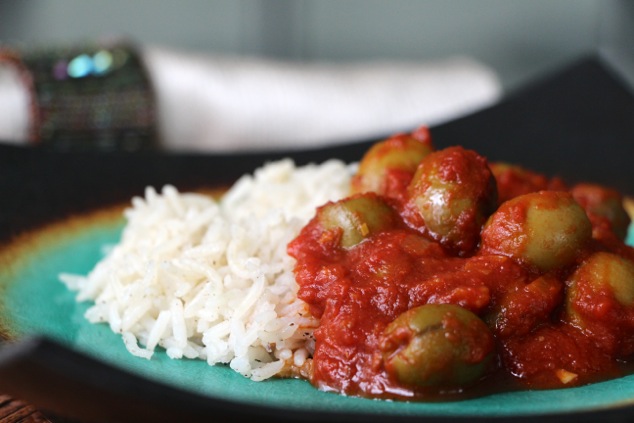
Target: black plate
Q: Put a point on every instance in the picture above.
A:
(577, 123)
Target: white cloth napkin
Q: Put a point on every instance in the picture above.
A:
(15, 118)
(219, 103)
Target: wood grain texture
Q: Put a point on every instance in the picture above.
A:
(14, 411)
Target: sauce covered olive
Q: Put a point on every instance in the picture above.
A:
(351, 220)
(514, 180)
(439, 346)
(600, 301)
(450, 197)
(603, 203)
(449, 273)
(388, 166)
(545, 229)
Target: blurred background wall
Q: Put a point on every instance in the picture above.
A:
(517, 38)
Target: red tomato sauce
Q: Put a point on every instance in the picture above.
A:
(358, 291)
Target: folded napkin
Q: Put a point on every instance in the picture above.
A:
(222, 103)
(15, 118)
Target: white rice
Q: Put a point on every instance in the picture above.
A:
(207, 279)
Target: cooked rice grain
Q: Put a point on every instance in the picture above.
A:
(210, 279)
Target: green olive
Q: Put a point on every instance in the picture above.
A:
(602, 273)
(391, 162)
(545, 229)
(514, 180)
(450, 197)
(356, 217)
(524, 306)
(605, 203)
(437, 346)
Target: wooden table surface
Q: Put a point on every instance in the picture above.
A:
(14, 411)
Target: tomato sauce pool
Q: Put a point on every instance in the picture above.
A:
(443, 275)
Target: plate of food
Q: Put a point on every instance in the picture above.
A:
(406, 278)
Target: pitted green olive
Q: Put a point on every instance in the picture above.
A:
(514, 180)
(390, 162)
(602, 273)
(450, 197)
(511, 316)
(545, 229)
(605, 203)
(437, 346)
(356, 218)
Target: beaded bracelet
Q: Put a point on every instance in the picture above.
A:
(95, 97)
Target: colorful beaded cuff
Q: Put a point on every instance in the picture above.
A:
(95, 97)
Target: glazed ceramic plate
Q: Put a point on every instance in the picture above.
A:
(59, 209)
(34, 302)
